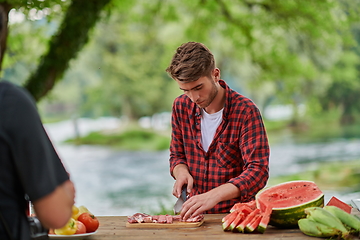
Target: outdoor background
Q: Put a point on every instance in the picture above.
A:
(96, 69)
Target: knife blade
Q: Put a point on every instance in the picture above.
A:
(356, 203)
(180, 201)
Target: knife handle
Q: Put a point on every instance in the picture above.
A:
(184, 192)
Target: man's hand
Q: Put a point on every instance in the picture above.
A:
(200, 203)
(183, 177)
(197, 204)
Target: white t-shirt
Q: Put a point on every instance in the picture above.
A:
(209, 124)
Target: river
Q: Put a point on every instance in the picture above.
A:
(112, 182)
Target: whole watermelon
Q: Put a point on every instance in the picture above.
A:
(288, 201)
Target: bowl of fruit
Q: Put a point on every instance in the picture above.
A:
(81, 224)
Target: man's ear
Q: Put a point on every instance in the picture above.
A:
(216, 74)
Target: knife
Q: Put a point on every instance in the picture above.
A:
(356, 203)
(180, 201)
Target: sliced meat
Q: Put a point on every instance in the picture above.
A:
(169, 219)
(162, 219)
(138, 217)
(197, 218)
(176, 218)
(146, 218)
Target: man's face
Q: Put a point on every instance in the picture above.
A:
(202, 91)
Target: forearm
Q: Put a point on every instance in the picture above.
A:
(55, 209)
(180, 169)
(224, 192)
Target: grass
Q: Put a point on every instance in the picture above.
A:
(132, 139)
(311, 130)
(339, 176)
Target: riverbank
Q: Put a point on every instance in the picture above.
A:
(329, 171)
(340, 176)
(119, 182)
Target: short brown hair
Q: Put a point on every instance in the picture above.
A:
(191, 61)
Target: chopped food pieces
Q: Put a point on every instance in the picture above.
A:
(146, 218)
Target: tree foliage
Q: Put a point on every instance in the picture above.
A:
(295, 52)
(71, 36)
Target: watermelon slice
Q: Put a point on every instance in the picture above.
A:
(264, 220)
(243, 224)
(288, 201)
(250, 205)
(239, 218)
(340, 204)
(228, 219)
(254, 223)
(236, 216)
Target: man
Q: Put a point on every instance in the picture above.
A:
(29, 166)
(219, 147)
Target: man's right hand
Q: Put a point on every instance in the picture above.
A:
(183, 177)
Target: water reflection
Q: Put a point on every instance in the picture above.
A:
(111, 182)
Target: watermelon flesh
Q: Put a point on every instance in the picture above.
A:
(340, 204)
(254, 223)
(288, 201)
(265, 219)
(239, 218)
(228, 219)
(240, 206)
(241, 227)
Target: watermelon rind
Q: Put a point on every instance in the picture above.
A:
(261, 228)
(287, 217)
(253, 224)
(264, 220)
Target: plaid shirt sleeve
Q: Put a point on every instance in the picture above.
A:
(239, 153)
(177, 154)
(254, 151)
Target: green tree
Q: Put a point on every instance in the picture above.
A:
(64, 45)
(131, 61)
(287, 49)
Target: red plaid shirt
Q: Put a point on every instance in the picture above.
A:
(239, 153)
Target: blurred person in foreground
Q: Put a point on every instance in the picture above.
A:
(30, 169)
(219, 148)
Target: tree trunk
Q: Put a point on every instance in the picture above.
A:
(4, 20)
(72, 35)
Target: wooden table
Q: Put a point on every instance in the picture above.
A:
(114, 227)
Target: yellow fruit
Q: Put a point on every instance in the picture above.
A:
(68, 229)
(75, 212)
(75, 209)
(83, 209)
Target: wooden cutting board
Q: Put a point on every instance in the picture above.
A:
(176, 224)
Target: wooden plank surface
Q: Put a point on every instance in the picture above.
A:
(114, 227)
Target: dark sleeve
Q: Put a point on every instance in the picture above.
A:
(38, 165)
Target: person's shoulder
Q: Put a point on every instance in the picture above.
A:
(240, 100)
(182, 99)
(6, 86)
(14, 93)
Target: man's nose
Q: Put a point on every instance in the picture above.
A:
(194, 96)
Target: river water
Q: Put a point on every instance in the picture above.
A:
(112, 182)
